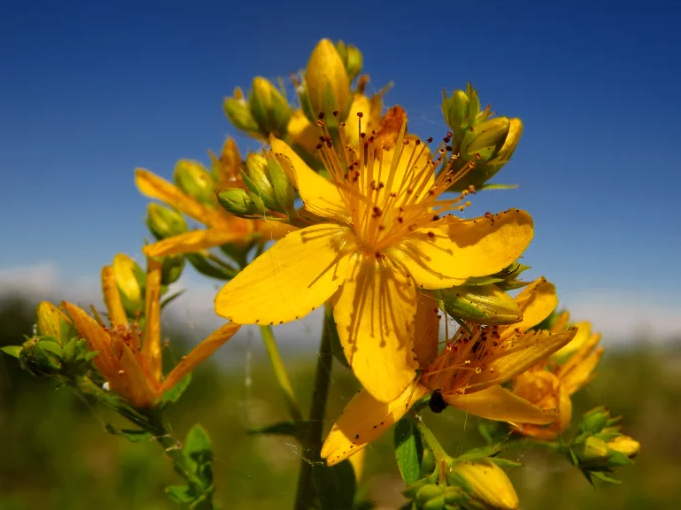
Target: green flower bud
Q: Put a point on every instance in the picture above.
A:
(594, 420)
(268, 180)
(238, 112)
(164, 222)
(625, 445)
(482, 304)
(172, 269)
(327, 85)
(242, 203)
(592, 449)
(194, 180)
(269, 108)
(485, 140)
(427, 493)
(352, 59)
(208, 268)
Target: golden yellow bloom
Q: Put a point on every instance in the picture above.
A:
(221, 227)
(382, 236)
(486, 484)
(129, 360)
(551, 384)
(467, 374)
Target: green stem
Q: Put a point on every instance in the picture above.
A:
(280, 374)
(312, 434)
(433, 443)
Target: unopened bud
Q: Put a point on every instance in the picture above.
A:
(172, 268)
(625, 445)
(164, 222)
(238, 112)
(268, 180)
(194, 180)
(41, 356)
(327, 85)
(130, 279)
(208, 268)
(352, 59)
(485, 140)
(50, 321)
(591, 450)
(482, 304)
(241, 202)
(595, 420)
(485, 483)
(269, 108)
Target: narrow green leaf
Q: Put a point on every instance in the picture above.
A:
(197, 444)
(480, 453)
(497, 186)
(12, 350)
(132, 435)
(408, 450)
(335, 485)
(174, 393)
(171, 298)
(604, 478)
(281, 428)
(505, 463)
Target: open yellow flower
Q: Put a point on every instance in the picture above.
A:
(129, 360)
(551, 384)
(382, 236)
(467, 374)
(221, 227)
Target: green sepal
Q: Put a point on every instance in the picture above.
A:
(166, 301)
(207, 268)
(482, 452)
(496, 186)
(132, 435)
(505, 463)
(408, 450)
(12, 350)
(494, 431)
(173, 394)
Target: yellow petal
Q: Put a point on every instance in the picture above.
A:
(374, 313)
(581, 338)
(151, 348)
(443, 257)
(192, 242)
(523, 354)
(536, 301)
(360, 104)
(295, 276)
(357, 461)
(49, 319)
(154, 186)
(320, 196)
(580, 374)
(112, 298)
(97, 339)
(426, 328)
(364, 420)
(131, 380)
(497, 403)
(564, 409)
(487, 485)
(303, 133)
(200, 353)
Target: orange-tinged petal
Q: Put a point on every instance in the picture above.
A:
(97, 339)
(271, 230)
(192, 242)
(536, 301)
(497, 403)
(580, 375)
(49, 319)
(124, 269)
(112, 298)
(200, 353)
(443, 257)
(523, 354)
(131, 380)
(320, 196)
(426, 328)
(582, 337)
(295, 276)
(364, 420)
(374, 314)
(154, 186)
(151, 348)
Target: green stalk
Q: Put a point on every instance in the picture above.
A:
(311, 438)
(280, 374)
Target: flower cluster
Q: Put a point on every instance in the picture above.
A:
(346, 210)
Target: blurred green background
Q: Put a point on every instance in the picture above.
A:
(55, 452)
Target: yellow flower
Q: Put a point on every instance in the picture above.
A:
(221, 227)
(129, 360)
(551, 384)
(625, 445)
(467, 374)
(381, 238)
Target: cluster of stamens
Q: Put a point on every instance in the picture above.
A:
(389, 199)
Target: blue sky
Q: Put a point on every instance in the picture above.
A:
(91, 90)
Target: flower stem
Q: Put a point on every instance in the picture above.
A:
(311, 438)
(433, 443)
(280, 374)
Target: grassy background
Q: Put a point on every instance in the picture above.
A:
(55, 453)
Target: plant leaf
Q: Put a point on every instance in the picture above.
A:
(173, 394)
(132, 435)
(408, 450)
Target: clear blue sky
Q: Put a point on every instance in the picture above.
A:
(90, 90)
